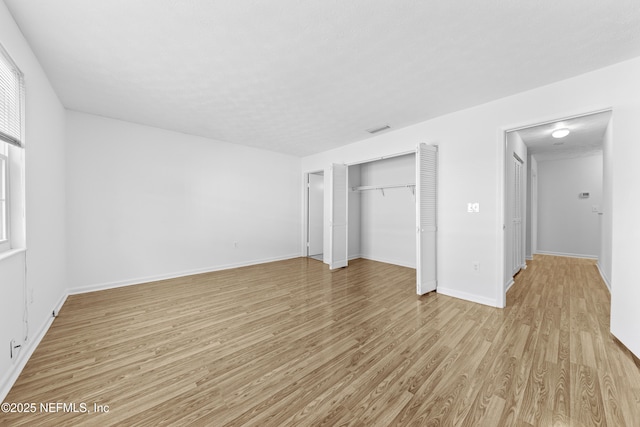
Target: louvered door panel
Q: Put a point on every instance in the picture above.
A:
(426, 217)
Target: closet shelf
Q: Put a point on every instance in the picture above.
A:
(411, 187)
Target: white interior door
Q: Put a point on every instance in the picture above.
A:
(426, 217)
(316, 214)
(338, 215)
(516, 216)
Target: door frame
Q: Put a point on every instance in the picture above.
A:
(307, 225)
(501, 137)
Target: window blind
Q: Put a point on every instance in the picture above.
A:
(11, 95)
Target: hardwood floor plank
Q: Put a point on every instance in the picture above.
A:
(586, 402)
(612, 401)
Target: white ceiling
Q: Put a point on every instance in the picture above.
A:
(586, 137)
(301, 77)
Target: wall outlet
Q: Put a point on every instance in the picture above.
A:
(476, 265)
(235, 245)
(473, 207)
(14, 349)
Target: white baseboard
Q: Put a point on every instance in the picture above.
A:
(466, 296)
(140, 280)
(510, 284)
(387, 261)
(569, 255)
(61, 301)
(605, 279)
(26, 352)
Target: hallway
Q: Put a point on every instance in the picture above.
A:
(571, 368)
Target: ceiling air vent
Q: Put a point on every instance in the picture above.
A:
(378, 129)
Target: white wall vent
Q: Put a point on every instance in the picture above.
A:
(378, 129)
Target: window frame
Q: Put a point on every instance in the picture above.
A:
(12, 155)
(5, 208)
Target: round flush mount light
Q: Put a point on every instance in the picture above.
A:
(560, 133)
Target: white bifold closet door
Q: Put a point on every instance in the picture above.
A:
(338, 214)
(426, 217)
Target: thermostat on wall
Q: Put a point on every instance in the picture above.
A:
(583, 195)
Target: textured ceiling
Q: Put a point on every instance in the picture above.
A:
(301, 77)
(586, 137)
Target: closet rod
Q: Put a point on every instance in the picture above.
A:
(388, 156)
(380, 187)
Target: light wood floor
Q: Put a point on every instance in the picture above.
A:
(290, 343)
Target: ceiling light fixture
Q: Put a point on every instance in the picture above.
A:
(560, 133)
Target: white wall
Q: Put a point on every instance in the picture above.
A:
(625, 292)
(45, 213)
(388, 222)
(145, 203)
(11, 312)
(606, 219)
(471, 157)
(566, 223)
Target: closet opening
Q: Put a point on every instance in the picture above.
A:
(382, 210)
(391, 205)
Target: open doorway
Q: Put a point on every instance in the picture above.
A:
(315, 212)
(558, 200)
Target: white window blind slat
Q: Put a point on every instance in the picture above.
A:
(11, 95)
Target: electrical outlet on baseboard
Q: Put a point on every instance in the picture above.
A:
(14, 349)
